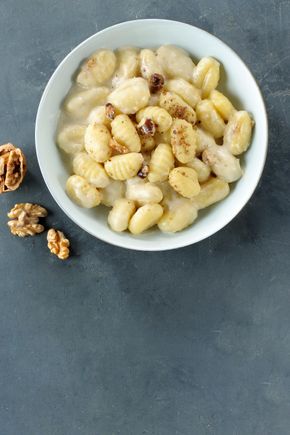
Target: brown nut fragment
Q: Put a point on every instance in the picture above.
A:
(12, 167)
(110, 111)
(117, 148)
(148, 128)
(156, 82)
(25, 217)
(58, 244)
(144, 171)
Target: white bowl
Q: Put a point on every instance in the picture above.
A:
(238, 83)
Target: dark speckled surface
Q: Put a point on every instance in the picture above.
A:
(189, 342)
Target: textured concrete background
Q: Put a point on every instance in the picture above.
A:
(189, 342)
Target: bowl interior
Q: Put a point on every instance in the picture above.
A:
(236, 81)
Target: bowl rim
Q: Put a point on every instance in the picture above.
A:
(134, 246)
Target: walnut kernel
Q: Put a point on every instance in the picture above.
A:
(58, 244)
(25, 218)
(147, 128)
(156, 82)
(110, 111)
(144, 171)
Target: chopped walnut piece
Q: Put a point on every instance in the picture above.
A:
(25, 218)
(58, 244)
(117, 147)
(12, 167)
(147, 128)
(156, 82)
(144, 171)
(110, 111)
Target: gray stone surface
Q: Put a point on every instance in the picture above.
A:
(188, 342)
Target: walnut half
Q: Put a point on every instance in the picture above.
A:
(58, 244)
(25, 218)
(12, 167)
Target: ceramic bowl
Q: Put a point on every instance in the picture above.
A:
(238, 83)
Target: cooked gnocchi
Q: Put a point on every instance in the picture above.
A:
(148, 134)
(177, 107)
(183, 140)
(184, 181)
(82, 192)
(124, 131)
(127, 65)
(92, 171)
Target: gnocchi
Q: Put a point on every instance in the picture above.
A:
(161, 163)
(145, 217)
(98, 116)
(175, 62)
(160, 117)
(238, 132)
(92, 171)
(97, 142)
(97, 69)
(164, 137)
(206, 75)
(71, 138)
(121, 213)
(184, 180)
(113, 191)
(189, 93)
(131, 96)
(222, 104)
(147, 143)
(177, 107)
(144, 193)
(79, 104)
(82, 192)
(203, 140)
(222, 163)
(149, 135)
(210, 119)
(127, 65)
(202, 169)
(178, 214)
(124, 166)
(124, 131)
(183, 140)
(149, 64)
(213, 190)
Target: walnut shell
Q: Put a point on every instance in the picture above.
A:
(12, 167)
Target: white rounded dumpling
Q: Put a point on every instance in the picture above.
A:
(97, 142)
(79, 104)
(81, 192)
(121, 213)
(131, 96)
(149, 64)
(114, 191)
(92, 171)
(145, 217)
(190, 94)
(97, 69)
(71, 138)
(179, 213)
(144, 193)
(127, 65)
(222, 163)
(98, 116)
(175, 62)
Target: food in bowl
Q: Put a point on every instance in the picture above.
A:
(149, 135)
